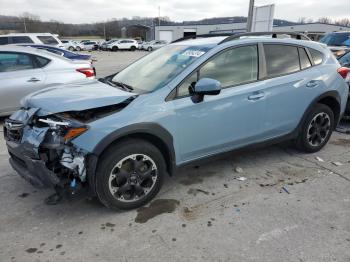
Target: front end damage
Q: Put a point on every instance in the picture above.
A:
(41, 151)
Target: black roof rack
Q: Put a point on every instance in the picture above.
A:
(201, 36)
(295, 35)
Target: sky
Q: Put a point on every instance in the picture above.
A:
(83, 11)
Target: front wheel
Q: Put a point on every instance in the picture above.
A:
(115, 48)
(78, 48)
(150, 49)
(133, 48)
(130, 174)
(71, 48)
(316, 129)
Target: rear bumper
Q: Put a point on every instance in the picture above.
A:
(32, 170)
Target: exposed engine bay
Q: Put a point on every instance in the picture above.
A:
(41, 150)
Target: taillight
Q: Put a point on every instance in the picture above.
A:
(88, 72)
(343, 71)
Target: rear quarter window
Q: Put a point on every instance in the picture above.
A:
(47, 40)
(304, 59)
(281, 59)
(317, 56)
(41, 61)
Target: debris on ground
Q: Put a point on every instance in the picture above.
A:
(242, 178)
(238, 170)
(285, 190)
(337, 163)
(319, 159)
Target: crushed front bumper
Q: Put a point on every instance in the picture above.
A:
(32, 170)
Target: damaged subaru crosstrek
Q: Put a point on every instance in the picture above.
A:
(118, 137)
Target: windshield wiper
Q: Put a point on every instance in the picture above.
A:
(123, 85)
(117, 84)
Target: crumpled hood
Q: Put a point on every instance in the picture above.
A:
(75, 97)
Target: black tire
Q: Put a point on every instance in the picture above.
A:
(304, 141)
(133, 48)
(115, 48)
(78, 48)
(108, 163)
(150, 49)
(71, 48)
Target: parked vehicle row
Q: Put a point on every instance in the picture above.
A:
(31, 38)
(118, 137)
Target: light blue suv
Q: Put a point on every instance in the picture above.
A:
(119, 136)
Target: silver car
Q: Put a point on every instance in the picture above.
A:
(153, 45)
(24, 70)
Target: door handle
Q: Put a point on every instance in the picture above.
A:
(312, 84)
(256, 96)
(33, 80)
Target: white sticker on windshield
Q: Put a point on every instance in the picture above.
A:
(194, 53)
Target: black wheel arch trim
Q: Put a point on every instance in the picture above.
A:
(150, 129)
(329, 94)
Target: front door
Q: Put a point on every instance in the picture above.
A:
(225, 121)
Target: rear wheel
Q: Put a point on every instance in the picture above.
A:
(115, 48)
(133, 48)
(71, 48)
(149, 49)
(316, 129)
(130, 174)
(78, 48)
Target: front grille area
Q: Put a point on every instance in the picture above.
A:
(13, 130)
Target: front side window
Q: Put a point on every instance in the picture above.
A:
(15, 61)
(236, 66)
(48, 40)
(233, 67)
(157, 69)
(281, 59)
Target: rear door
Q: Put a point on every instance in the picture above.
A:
(290, 86)
(20, 75)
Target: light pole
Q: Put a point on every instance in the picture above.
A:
(250, 16)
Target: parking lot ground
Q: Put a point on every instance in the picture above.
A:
(108, 63)
(291, 207)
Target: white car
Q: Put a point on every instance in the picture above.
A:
(24, 70)
(72, 45)
(124, 44)
(153, 45)
(31, 38)
(91, 45)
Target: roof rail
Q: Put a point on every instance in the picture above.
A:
(201, 36)
(295, 35)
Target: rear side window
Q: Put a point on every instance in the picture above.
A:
(47, 40)
(4, 40)
(317, 56)
(42, 61)
(21, 40)
(10, 62)
(281, 59)
(304, 59)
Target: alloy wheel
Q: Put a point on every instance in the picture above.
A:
(133, 177)
(318, 129)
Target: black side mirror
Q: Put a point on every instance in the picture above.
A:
(205, 86)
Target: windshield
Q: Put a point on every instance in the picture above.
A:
(338, 39)
(158, 68)
(345, 60)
